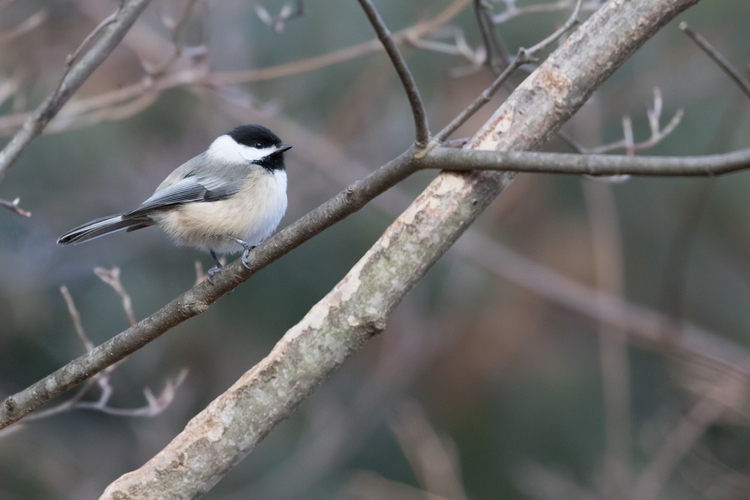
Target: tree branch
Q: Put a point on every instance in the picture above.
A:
(357, 308)
(72, 79)
(595, 165)
(718, 58)
(13, 207)
(130, 99)
(417, 107)
(524, 56)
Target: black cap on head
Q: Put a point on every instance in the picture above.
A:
(254, 136)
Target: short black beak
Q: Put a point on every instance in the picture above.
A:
(283, 148)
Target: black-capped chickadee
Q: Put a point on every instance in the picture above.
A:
(227, 199)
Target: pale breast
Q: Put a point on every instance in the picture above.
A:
(250, 215)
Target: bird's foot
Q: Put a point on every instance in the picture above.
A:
(211, 272)
(248, 247)
(245, 255)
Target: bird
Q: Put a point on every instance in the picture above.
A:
(227, 199)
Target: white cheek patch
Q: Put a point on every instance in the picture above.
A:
(226, 149)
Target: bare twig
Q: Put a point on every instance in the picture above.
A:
(366, 485)
(459, 47)
(76, 317)
(644, 326)
(181, 23)
(175, 27)
(277, 22)
(597, 165)
(683, 437)
(594, 165)
(410, 86)
(496, 54)
(112, 278)
(433, 465)
(138, 96)
(524, 56)
(602, 213)
(478, 103)
(658, 134)
(13, 207)
(718, 58)
(23, 28)
(156, 405)
(627, 131)
(9, 87)
(512, 11)
(85, 43)
(540, 483)
(73, 77)
(572, 21)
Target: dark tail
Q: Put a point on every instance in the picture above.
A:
(102, 226)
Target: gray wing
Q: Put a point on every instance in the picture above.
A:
(188, 190)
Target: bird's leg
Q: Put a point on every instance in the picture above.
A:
(214, 270)
(245, 254)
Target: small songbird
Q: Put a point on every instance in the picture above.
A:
(227, 199)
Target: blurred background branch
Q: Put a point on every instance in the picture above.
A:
(112, 29)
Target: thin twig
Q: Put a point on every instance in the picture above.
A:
(175, 27)
(428, 456)
(658, 134)
(9, 87)
(76, 317)
(102, 379)
(627, 132)
(112, 278)
(367, 485)
(718, 58)
(23, 28)
(72, 116)
(459, 47)
(524, 56)
(495, 54)
(277, 22)
(155, 405)
(594, 165)
(572, 21)
(475, 106)
(601, 209)
(412, 92)
(682, 438)
(511, 13)
(94, 33)
(13, 207)
(73, 78)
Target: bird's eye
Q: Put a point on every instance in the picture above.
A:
(258, 145)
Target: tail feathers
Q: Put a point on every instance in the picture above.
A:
(100, 227)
